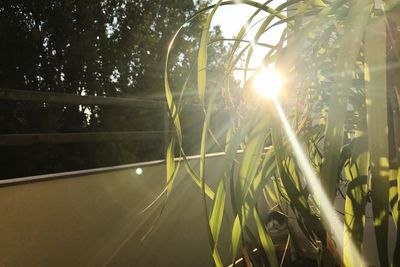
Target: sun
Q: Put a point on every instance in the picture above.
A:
(268, 82)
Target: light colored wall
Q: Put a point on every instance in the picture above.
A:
(96, 220)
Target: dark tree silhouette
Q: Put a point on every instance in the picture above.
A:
(103, 48)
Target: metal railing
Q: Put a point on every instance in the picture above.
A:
(75, 137)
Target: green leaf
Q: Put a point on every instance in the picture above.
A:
(356, 172)
(251, 158)
(170, 165)
(217, 211)
(349, 47)
(202, 55)
(394, 191)
(296, 198)
(274, 13)
(396, 258)
(236, 237)
(376, 102)
(266, 240)
(394, 195)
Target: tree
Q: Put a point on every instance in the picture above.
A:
(103, 48)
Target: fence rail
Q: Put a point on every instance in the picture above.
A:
(57, 138)
(77, 137)
(64, 98)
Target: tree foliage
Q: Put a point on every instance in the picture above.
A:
(103, 48)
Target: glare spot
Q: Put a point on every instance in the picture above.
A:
(139, 171)
(268, 82)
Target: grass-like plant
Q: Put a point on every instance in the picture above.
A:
(327, 132)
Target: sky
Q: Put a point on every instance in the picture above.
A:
(232, 17)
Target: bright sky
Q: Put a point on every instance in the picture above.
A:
(232, 17)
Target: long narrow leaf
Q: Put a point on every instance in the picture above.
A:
(349, 50)
(354, 218)
(376, 93)
(202, 55)
(266, 240)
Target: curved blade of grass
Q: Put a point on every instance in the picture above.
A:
(216, 219)
(240, 211)
(266, 240)
(349, 44)
(251, 159)
(275, 13)
(239, 37)
(356, 173)
(395, 180)
(300, 36)
(170, 165)
(266, 172)
(217, 212)
(236, 237)
(258, 183)
(174, 114)
(393, 142)
(202, 55)
(376, 102)
(295, 195)
(396, 257)
(244, 30)
(288, 182)
(393, 195)
(394, 151)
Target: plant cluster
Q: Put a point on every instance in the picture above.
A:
(339, 139)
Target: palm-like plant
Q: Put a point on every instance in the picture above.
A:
(335, 136)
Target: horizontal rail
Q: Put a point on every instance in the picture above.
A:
(54, 97)
(69, 174)
(56, 138)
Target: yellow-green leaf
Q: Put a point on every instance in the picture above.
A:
(376, 102)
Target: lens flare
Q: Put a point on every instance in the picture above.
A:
(139, 171)
(330, 218)
(268, 82)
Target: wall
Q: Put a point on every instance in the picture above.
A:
(96, 219)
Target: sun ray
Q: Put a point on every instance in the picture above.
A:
(329, 215)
